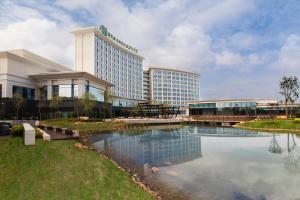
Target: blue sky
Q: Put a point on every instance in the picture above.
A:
(241, 48)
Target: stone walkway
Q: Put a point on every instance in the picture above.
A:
(59, 136)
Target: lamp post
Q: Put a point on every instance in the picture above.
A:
(2, 110)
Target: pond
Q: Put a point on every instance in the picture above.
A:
(198, 162)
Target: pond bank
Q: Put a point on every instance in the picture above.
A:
(285, 126)
(58, 170)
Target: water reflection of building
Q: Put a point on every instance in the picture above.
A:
(154, 147)
(223, 132)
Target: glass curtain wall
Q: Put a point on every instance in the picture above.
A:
(65, 90)
(223, 108)
(99, 94)
(26, 93)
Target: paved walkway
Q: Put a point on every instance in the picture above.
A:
(59, 136)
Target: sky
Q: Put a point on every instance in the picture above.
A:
(241, 48)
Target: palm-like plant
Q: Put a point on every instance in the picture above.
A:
(54, 104)
(18, 101)
(108, 99)
(88, 102)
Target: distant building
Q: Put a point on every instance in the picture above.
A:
(171, 86)
(233, 107)
(100, 53)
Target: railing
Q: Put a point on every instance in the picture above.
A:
(229, 118)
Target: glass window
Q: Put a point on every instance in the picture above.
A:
(26, 93)
(99, 94)
(65, 90)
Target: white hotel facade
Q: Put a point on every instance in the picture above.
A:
(171, 86)
(101, 54)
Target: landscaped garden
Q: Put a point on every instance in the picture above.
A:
(82, 126)
(273, 125)
(58, 170)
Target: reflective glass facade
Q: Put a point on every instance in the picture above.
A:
(65, 90)
(119, 67)
(223, 108)
(174, 87)
(26, 93)
(99, 94)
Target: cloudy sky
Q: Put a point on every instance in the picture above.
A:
(241, 48)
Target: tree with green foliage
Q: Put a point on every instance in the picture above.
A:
(18, 102)
(289, 89)
(87, 102)
(108, 99)
(54, 104)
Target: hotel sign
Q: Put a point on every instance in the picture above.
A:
(104, 31)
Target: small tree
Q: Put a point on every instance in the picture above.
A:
(54, 104)
(40, 104)
(76, 105)
(289, 89)
(18, 102)
(108, 99)
(88, 102)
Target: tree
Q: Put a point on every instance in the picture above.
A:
(54, 104)
(289, 89)
(18, 101)
(108, 99)
(88, 102)
(40, 104)
(76, 105)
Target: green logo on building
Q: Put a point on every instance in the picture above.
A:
(104, 30)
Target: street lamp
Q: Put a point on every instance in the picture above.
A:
(2, 110)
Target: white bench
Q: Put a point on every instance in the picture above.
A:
(29, 134)
(46, 136)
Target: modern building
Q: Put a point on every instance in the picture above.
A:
(238, 107)
(171, 86)
(36, 78)
(100, 53)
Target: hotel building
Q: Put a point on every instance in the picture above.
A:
(100, 53)
(172, 86)
(36, 78)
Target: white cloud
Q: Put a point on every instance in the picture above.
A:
(171, 33)
(41, 36)
(289, 56)
(186, 47)
(231, 60)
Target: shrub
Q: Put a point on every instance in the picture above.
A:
(297, 114)
(17, 130)
(38, 134)
(297, 120)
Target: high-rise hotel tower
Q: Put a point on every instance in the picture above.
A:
(171, 86)
(100, 53)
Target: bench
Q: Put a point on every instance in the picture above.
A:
(29, 134)
(46, 136)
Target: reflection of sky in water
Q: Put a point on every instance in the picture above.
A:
(215, 167)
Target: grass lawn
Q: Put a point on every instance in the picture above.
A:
(273, 124)
(58, 170)
(84, 127)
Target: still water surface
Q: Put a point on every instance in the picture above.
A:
(213, 163)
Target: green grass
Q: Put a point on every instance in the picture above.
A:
(58, 170)
(84, 127)
(273, 124)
